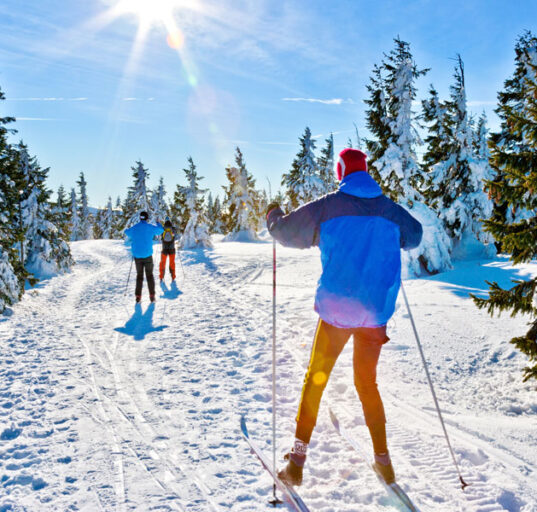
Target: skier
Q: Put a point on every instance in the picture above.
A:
(168, 249)
(359, 232)
(141, 236)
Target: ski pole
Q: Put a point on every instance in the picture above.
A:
(128, 278)
(463, 483)
(275, 501)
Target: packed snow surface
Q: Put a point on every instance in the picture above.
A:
(108, 406)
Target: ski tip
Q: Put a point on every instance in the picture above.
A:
(463, 483)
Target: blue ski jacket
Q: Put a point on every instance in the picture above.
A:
(141, 236)
(359, 232)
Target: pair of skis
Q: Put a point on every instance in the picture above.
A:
(399, 497)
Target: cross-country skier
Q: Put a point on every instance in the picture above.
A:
(359, 232)
(141, 236)
(168, 249)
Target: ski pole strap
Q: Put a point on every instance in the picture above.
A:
(463, 483)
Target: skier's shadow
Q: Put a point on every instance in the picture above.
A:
(170, 293)
(140, 324)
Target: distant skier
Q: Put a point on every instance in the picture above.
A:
(168, 249)
(359, 232)
(141, 236)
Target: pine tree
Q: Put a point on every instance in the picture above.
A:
(303, 182)
(85, 224)
(393, 162)
(196, 232)
(74, 218)
(325, 164)
(45, 252)
(456, 188)
(105, 223)
(137, 198)
(214, 214)
(158, 202)
(514, 188)
(11, 287)
(240, 215)
(60, 211)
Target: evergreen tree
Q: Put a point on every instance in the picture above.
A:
(74, 218)
(60, 211)
(240, 217)
(105, 223)
(45, 252)
(11, 287)
(393, 162)
(158, 202)
(85, 225)
(137, 198)
(196, 232)
(214, 214)
(303, 182)
(325, 164)
(457, 179)
(514, 188)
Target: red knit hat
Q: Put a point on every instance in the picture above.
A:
(351, 160)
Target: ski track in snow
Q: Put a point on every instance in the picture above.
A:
(107, 406)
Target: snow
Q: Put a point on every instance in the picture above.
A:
(139, 408)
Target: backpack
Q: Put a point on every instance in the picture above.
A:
(168, 235)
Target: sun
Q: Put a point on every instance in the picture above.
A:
(149, 12)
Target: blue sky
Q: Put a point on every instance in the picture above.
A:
(252, 73)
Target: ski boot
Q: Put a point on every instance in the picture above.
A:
(152, 298)
(383, 466)
(138, 299)
(292, 473)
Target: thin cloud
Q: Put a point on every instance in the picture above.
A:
(333, 101)
(47, 99)
(36, 119)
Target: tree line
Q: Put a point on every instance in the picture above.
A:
(467, 187)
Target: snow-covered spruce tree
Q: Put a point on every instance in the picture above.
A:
(240, 217)
(137, 198)
(393, 161)
(85, 219)
(325, 164)
(74, 223)
(105, 223)
(214, 214)
(457, 175)
(45, 252)
(514, 160)
(196, 233)
(60, 212)
(158, 202)
(303, 183)
(11, 287)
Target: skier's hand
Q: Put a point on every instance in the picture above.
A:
(272, 206)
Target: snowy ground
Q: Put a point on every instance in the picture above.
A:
(107, 407)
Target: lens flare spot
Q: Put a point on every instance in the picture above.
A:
(192, 80)
(175, 39)
(319, 378)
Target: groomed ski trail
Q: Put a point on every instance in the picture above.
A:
(145, 417)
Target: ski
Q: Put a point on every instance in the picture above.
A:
(289, 494)
(394, 491)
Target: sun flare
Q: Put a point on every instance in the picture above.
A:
(151, 12)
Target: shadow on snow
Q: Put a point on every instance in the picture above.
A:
(471, 276)
(169, 293)
(140, 324)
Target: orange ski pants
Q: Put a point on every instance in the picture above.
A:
(162, 266)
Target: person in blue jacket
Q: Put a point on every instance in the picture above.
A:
(359, 232)
(141, 236)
